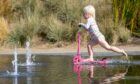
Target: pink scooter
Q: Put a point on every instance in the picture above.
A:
(78, 60)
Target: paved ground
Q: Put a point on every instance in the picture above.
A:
(67, 51)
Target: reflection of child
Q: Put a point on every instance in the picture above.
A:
(91, 78)
(91, 74)
(96, 36)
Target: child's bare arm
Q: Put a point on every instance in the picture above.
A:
(85, 26)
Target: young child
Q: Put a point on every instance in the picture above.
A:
(96, 36)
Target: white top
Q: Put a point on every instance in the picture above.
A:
(92, 27)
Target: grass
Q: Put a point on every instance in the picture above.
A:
(4, 30)
(127, 11)
(124, 36)
(56, 21)
(57, 31)
(5, 8)
(24, 30)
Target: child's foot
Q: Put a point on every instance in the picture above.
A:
(88, 60)
(91, 59)
(124, 53)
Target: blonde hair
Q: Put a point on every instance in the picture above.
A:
(89, 9)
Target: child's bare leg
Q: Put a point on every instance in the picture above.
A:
(90, 52)
(105, 45)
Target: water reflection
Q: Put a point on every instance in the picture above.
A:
(15, 80)
(104, 78)
(29, 78)
(59, 70)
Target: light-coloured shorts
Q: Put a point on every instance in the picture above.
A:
(95, 40)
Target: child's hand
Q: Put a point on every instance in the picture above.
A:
(80, 24)
(80, 27)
